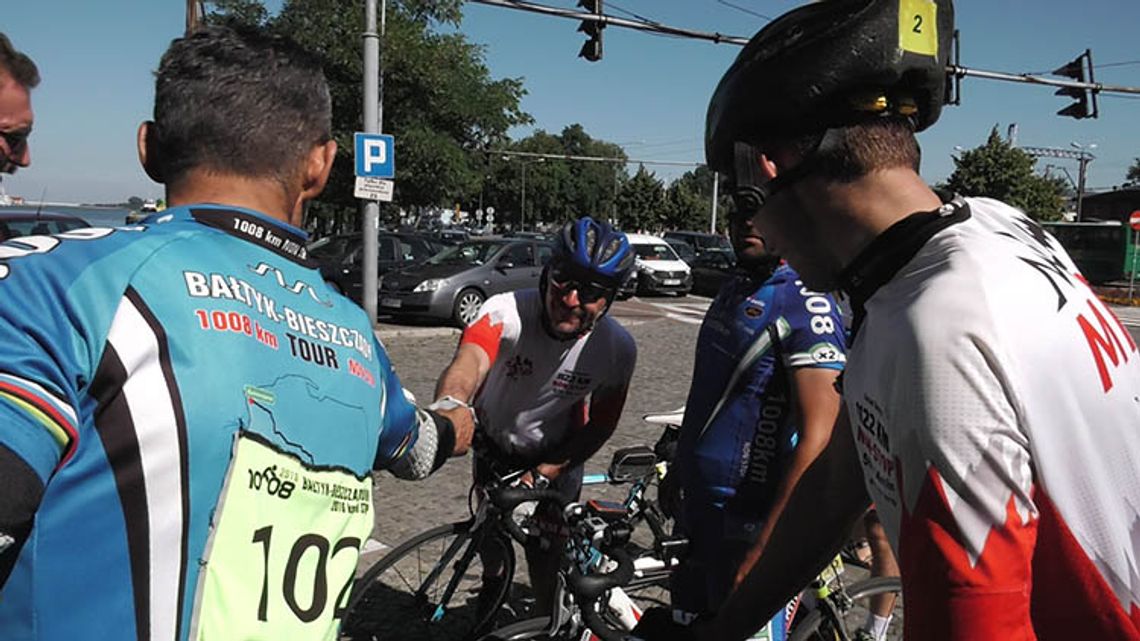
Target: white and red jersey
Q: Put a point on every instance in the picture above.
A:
(539, 387)
(995, 403)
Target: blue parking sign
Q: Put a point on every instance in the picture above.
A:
(375, 155)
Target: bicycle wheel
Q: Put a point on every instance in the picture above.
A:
(399, 598)
(846, 611)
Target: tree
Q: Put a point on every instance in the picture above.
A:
(1132, 179)
(557, 189)
(1002, 171)
(641, 202)
(439, 98)
(689, 201)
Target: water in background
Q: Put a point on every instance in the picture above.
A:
(95, 216)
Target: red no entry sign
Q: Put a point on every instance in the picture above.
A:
(1134, 220)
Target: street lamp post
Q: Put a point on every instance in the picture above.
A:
(522, 204)
(1084, 160)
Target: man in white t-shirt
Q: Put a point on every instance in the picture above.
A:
(994, 401)
(547, 373)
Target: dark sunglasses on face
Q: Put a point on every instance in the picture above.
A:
(564, 281)
(15, 140)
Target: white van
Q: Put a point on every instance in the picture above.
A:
(659, 269)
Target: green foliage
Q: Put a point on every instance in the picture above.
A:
(438, 96)
(1002, 171)
(557, 189)
(1132, 178)
(689, 201)
(641, 203)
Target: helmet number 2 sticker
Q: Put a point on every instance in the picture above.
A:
(918, 27)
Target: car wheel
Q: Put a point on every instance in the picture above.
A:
(467, 305)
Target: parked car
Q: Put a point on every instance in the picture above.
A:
(16, 222)
(340, 257)
(710, 270)
(452, 236)
(453, 284)
(659, 269)
(684, 250)
(701, 242)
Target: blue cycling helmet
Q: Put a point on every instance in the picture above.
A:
(596, 256)
(595, 250)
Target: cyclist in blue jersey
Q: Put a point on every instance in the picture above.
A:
(18, 76)
(189, 416)
(761, 406)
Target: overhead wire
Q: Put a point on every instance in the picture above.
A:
(745, 10)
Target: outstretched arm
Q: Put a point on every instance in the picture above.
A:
(459, 381)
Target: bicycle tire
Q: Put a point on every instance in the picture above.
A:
(384, 606)
(822, 624)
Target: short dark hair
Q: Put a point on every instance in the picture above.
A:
(881, 143)
(238, 102)
(17, 64)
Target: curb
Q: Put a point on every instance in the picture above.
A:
(384, 331)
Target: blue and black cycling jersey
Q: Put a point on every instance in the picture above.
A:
(132, 363)
(740, 417)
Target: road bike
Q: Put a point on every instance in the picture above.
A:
(432, 585)
(590, 603)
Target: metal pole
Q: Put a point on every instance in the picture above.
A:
(716, 188)
(615, 217)
(371, 224)
(1081, 185)
(522, 205)
(1132, 275)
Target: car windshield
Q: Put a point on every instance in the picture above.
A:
(333, 246)
(655, 251)
(466, 254)
(14, 227)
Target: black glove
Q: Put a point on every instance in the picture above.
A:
(657, 624)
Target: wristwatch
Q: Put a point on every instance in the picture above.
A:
(447, 403)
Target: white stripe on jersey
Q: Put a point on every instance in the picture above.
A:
(156, 427)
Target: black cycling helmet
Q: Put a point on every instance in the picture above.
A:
(831, 64)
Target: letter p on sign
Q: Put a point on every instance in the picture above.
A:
(374, 155)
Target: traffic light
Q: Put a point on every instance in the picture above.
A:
(1085, 105)
(592, 48)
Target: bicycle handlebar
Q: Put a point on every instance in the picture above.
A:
(588, 588)
(507, 498)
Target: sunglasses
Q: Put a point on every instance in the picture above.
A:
(564, 280)
(16, 141)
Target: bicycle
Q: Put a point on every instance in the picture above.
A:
(431, 586)
(590, 603)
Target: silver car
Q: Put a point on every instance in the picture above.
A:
(453, 284)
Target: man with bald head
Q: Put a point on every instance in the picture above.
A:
(18, 76)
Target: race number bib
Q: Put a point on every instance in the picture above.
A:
(283, 548)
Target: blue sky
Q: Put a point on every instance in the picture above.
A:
(649, 92)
